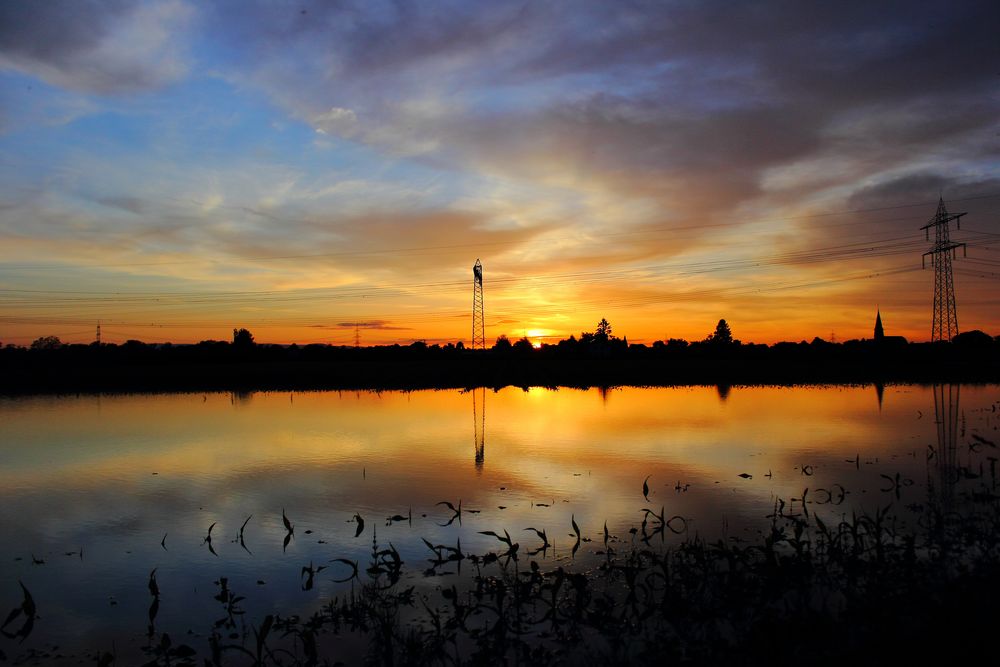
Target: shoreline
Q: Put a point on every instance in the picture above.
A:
(403, 375)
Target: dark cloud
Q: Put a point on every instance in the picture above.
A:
(95, 47)
(685, 104)
(979, 198)
(130, 204)
(55, 31)
(916, 187)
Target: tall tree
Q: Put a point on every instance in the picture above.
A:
(242, 338)
(603, 330)
(722, 335)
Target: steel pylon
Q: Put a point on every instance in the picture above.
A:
(944, 323)
(478, 318)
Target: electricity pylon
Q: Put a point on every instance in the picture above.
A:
(478, 319)
(944, 324)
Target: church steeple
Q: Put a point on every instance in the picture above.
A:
(879, 332)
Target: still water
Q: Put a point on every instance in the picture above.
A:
(97, 491)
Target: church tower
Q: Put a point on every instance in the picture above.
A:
(879, 332)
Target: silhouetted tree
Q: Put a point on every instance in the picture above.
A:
(722, 335)
(603, 331)
(242, 338)
(46, 343)
(502, 344)
(524, 346)
(974, 338)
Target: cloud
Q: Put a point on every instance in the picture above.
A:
(627, 141)
(105, 48)
(923, 185)
(339, 121)
(370, 324)
(688, 106)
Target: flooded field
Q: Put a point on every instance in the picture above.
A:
(128, 518)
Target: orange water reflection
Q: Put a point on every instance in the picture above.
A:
(114, 474)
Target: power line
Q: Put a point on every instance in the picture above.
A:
(482, 244)
(878, 248)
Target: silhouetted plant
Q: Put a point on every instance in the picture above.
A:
(46, 343)
(603, 331)
(242, 338)
(524, 347)
(722, 335)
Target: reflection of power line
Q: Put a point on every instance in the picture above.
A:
(479, 425)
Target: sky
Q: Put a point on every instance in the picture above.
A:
(319, 172)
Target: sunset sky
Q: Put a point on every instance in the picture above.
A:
(177, 169)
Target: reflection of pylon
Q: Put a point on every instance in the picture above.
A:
(479, 425)
(478, 318)
(946, 419)
(944, 323)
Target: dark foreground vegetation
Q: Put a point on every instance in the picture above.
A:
(875, 588)
(595, 359)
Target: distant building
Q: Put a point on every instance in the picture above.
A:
(881, 338)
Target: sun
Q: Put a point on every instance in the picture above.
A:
(535, 336)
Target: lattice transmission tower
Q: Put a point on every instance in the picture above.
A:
(478, 319)
(944, 324)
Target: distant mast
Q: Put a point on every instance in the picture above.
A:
(478, 318)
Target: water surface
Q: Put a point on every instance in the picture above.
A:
(105, 488)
